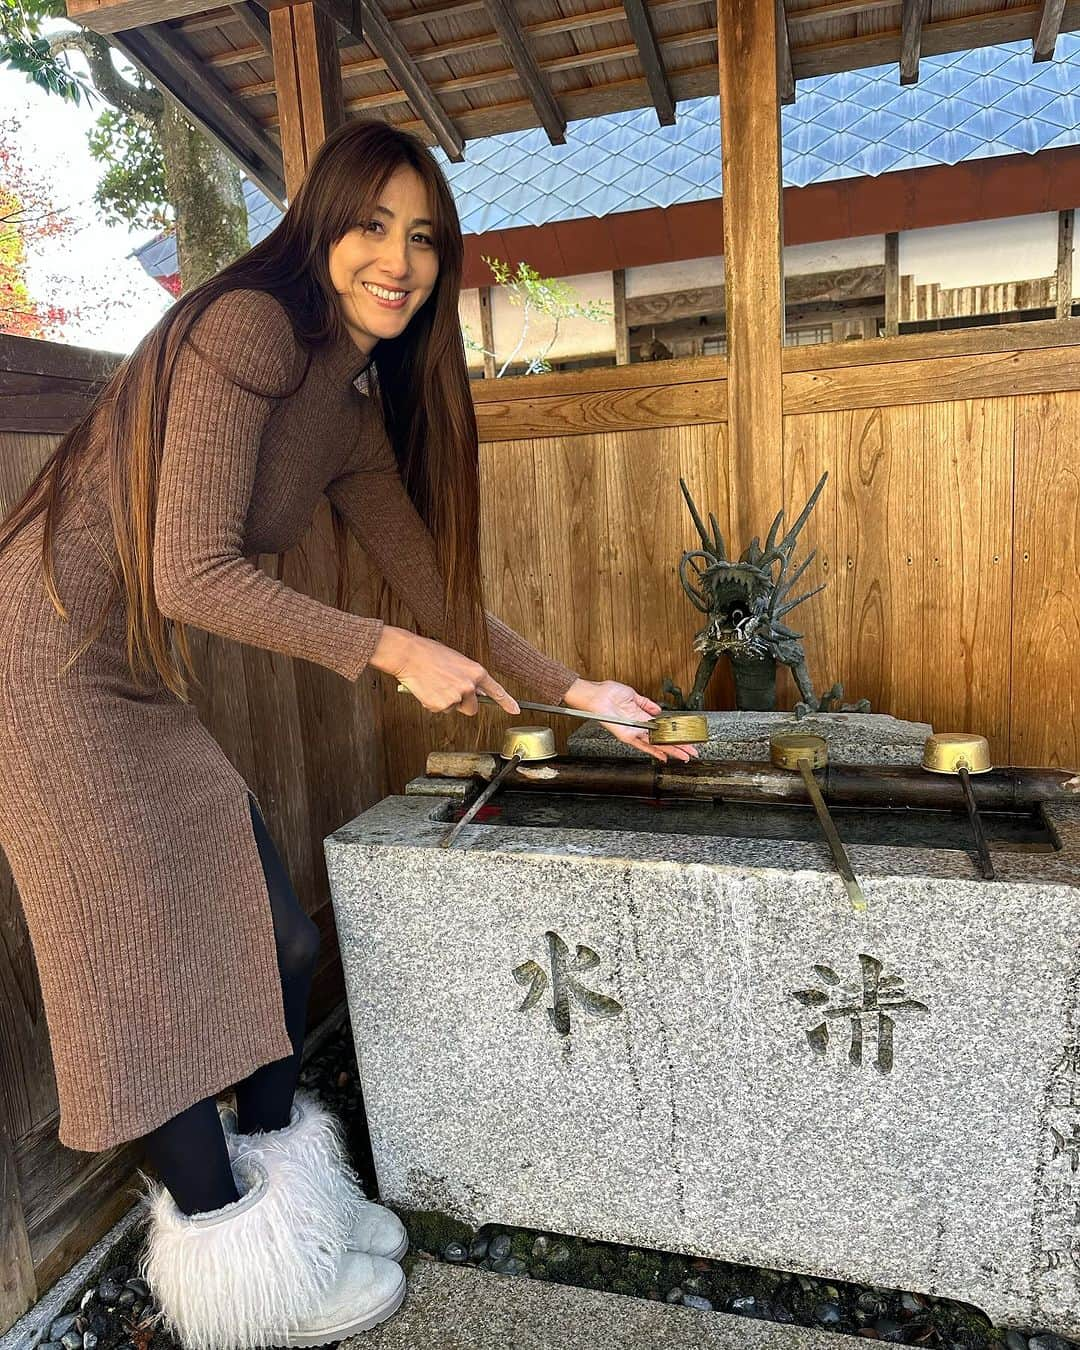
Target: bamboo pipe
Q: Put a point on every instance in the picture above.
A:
(1002, 789)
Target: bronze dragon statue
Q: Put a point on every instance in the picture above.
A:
(745, 601)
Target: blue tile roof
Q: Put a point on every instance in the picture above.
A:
(967, 105)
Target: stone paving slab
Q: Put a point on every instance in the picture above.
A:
(459, 1308)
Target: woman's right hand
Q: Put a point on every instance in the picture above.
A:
(439, 677)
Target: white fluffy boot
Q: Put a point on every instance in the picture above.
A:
(315, 1136)
(270, 1269)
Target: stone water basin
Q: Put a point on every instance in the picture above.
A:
(687, 1038)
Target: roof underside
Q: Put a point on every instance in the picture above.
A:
(450, 73)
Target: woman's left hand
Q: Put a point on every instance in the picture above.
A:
(619, 700)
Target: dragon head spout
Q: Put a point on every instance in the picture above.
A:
(745, 599)
(738, 597)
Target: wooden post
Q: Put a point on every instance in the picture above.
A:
(753, 261)
(622, 333)
(892, 284)
(1063, 308)
(307, 75)
(18, 1289)
(487, 333)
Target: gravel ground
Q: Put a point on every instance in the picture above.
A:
(116, 1313)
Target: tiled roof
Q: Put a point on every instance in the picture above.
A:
(967, 105)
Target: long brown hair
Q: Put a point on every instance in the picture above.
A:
(422, 385)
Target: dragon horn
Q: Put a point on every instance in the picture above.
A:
(792, 603)
(788, 585)
(694, 512)
(696, 598)
(788, 541)
(771, 541)
(718, 538)
(778, 589)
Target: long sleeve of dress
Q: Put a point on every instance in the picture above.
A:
(212, 437)
(372, 498)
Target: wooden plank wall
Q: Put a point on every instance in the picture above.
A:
(949, 532)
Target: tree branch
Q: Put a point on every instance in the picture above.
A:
(144, 105)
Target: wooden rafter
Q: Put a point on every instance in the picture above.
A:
(839, 286)
(578, 60)
(1047, 29)
(254, 22)
(652, 62)
(913, 16)
(165, 58)
(837, 9)
(380, 36)
(528, 72)
(346, 14)
(938, 35)
(785, 78)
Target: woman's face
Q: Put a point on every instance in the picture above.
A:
(385, 269)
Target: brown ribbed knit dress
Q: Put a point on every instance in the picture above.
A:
(126, 827)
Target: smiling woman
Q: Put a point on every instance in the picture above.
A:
(129, 832)
(385, 269)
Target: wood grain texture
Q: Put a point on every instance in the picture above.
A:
(1046, 583)
(308, 76)
(569, 414)
(913, 533)
(992, 375)
(18, 1288)
(753, 267)
(1063, 277)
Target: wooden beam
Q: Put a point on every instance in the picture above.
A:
(1047, 29)
(785, 77)
(838, 9)
(165, 58)
(254, 22)
(529, 73)
(307, 74)
(838, 286)
(380, 36)
(912, 17)
(750, 146)
(652, 62)
(347, 15)
(487, 333)
(1063, 302)
(112, 16)
(938, 36)
(622, 330)
(892, 283)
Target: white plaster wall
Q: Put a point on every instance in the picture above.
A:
(577, 337)
(983, 252)
(980, 253)
(674, 276)
(830, 256)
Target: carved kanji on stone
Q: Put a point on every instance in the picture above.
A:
(564, 986)
(874, 997)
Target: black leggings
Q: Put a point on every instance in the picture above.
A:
(188, 1152)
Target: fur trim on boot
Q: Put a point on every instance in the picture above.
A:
(233, 1278)
(316, 1136)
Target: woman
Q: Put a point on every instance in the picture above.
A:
(141, 857)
